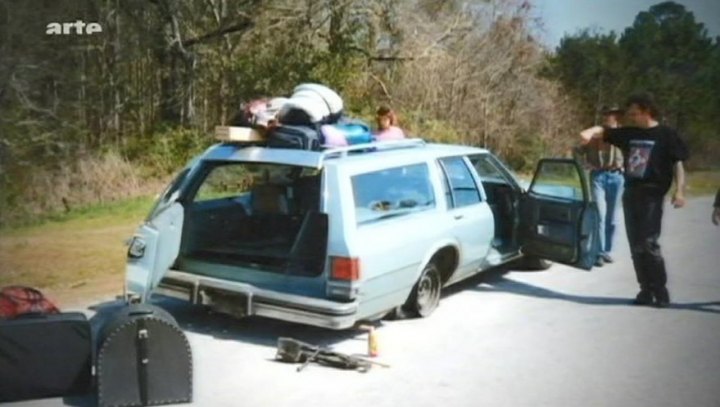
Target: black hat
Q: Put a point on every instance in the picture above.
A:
(612, 109)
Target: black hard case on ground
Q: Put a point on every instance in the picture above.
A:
(45, 356)
(143, 359)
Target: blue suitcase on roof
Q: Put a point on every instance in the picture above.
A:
(346, 133)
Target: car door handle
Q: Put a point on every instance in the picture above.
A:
(457, 217)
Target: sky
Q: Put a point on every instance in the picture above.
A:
(568, 16)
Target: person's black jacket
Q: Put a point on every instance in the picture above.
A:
(717, 199)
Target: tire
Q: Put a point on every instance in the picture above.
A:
(533, 263)
(425, 295)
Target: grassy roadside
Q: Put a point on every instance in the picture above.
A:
(703, 182)
(82, 247)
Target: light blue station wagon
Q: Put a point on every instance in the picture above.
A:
(329, 238)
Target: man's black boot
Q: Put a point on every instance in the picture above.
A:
(644, 297)
(662, 297)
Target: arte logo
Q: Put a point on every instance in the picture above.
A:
(79, 27)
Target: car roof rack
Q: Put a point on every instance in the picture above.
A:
(374, 146)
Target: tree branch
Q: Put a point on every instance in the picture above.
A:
(382, 85)
(379, 57)
(242, 26)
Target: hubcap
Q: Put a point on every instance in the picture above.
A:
(427, 293)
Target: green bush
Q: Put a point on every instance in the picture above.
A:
(169, 149)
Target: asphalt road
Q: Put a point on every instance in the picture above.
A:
(561, 337)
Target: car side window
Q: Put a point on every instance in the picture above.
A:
(558, 180)
(486, 169)
(463, 189)
(392, 192)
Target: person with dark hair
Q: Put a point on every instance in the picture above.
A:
(605, 163)
(654, 156)
(716, 210)
(387, 123)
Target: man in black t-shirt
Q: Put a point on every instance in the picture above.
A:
(654, 156)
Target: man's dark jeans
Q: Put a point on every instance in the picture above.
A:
(643, 217)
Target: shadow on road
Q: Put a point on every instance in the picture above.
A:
(497, 281)
(265, 332)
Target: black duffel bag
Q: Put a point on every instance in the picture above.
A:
(143, 359)
(45, 356)
(301, 137)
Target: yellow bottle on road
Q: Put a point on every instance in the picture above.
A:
(373, 347)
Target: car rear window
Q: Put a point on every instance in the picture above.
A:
(242, 180)
(265, 217)
(392, 192)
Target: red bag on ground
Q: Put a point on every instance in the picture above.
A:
(18, 300)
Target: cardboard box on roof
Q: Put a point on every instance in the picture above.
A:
(238, 134)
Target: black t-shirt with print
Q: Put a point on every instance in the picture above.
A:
(650, 155)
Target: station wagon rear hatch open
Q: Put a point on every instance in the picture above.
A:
(261, 216)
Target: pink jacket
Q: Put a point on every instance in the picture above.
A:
(392, 133)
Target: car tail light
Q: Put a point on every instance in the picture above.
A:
(346, 268)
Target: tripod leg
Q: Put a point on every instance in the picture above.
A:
(308, 360)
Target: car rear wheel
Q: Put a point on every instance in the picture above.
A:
(425, 296)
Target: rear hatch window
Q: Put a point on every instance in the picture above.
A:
(260, 216)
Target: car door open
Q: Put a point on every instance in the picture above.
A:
(558, 220)
(156, 243)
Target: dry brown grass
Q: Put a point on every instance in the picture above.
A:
(62, 257)
(74, 260)
(90, 180)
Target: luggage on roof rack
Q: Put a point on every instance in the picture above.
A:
(349, 132)
(295, 137)
(239, 134)
(332, 100)
(311, 119)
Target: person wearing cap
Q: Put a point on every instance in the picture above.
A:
(387, 125)
(654, 155)
(605, 163)
(716, 209)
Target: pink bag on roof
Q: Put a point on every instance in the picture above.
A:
(333, 136)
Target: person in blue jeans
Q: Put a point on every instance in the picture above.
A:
(605, 163)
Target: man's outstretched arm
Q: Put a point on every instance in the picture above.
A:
(678, 199)
(591, 133)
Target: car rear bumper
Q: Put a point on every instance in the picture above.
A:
(243, 299)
